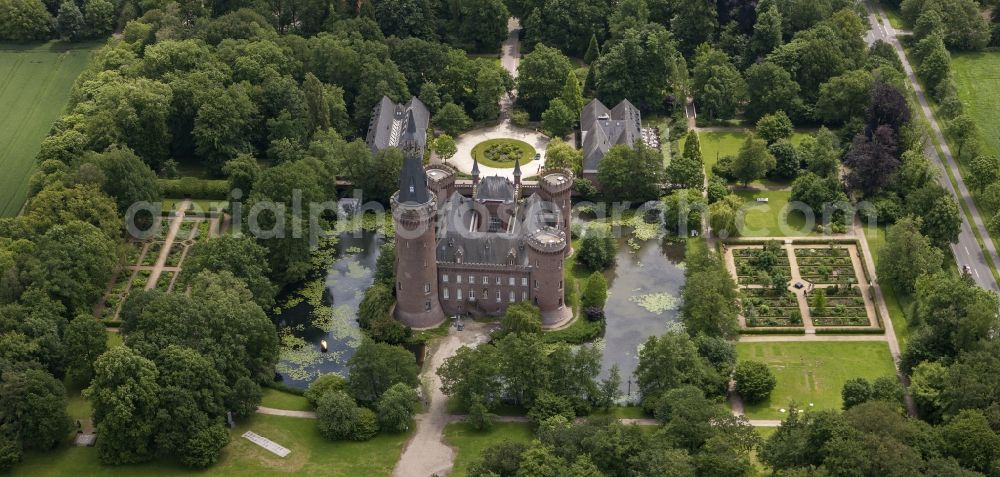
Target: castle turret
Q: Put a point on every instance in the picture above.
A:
(414, 208)
(475, 171)
(556, 186)
(517, 171)
(546, 252)
(441, 181)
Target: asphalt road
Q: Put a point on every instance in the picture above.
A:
(967, 251)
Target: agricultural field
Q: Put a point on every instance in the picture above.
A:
(977, 77)
(35, 83)
(811, 374)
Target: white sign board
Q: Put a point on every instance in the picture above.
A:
(267, 444)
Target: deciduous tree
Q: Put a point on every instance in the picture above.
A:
(907, 255)
(125, 397)
(631, 173)
(376, 367)
(753, 161)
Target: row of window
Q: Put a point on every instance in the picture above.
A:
(445, 294)
(444, 278)
(486, 280)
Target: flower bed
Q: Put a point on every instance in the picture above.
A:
(502, 153)
(768, 308)
(749, 268)
(841, 306)
(152, 254)
(176, 253)
(163, 284)
(826, 265)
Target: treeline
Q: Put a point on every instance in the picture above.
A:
(187, 359)
(28, 20)
(233, 85)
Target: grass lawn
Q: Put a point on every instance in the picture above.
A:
(114, 339)
(282, 400)
(197, 205)
(813, 372)
(77, 407)
(716, 144)
(897, 303)
(469, 443)
(311, 455)
(480, 150)
(35, 82)
(764, 219)
(977, 77)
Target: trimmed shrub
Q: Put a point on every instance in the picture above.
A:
(754, 381)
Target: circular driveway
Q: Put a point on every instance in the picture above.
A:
(505, 130)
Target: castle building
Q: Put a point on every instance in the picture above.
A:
(393, 125)
(601, 128)
(462, 250)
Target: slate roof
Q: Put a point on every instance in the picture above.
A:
(413, 178)
(393, 124)
(495, 188)
(603, 128)
(455, 237)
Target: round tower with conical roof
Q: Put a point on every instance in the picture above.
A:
(414, 210)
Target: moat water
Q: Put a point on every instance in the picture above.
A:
(326, 309)
(644, 287)
(643, 295)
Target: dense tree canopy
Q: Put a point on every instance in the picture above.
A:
(541, 76)
(632, 174)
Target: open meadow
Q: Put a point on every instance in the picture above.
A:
(813, 372)
(311, 455)
(35, 82)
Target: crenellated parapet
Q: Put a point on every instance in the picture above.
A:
(547, 240)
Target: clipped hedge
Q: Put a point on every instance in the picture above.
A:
(773, 331)
(214, 189)
(850, 331)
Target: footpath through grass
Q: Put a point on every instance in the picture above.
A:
(813, 372)
(311, 455)
(35, 82)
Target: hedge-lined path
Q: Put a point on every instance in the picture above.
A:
(168, 243)
(286, 413)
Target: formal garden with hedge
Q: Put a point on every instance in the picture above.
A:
(761, 265)
(764, 307)
(826, 266)
(837, 306)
